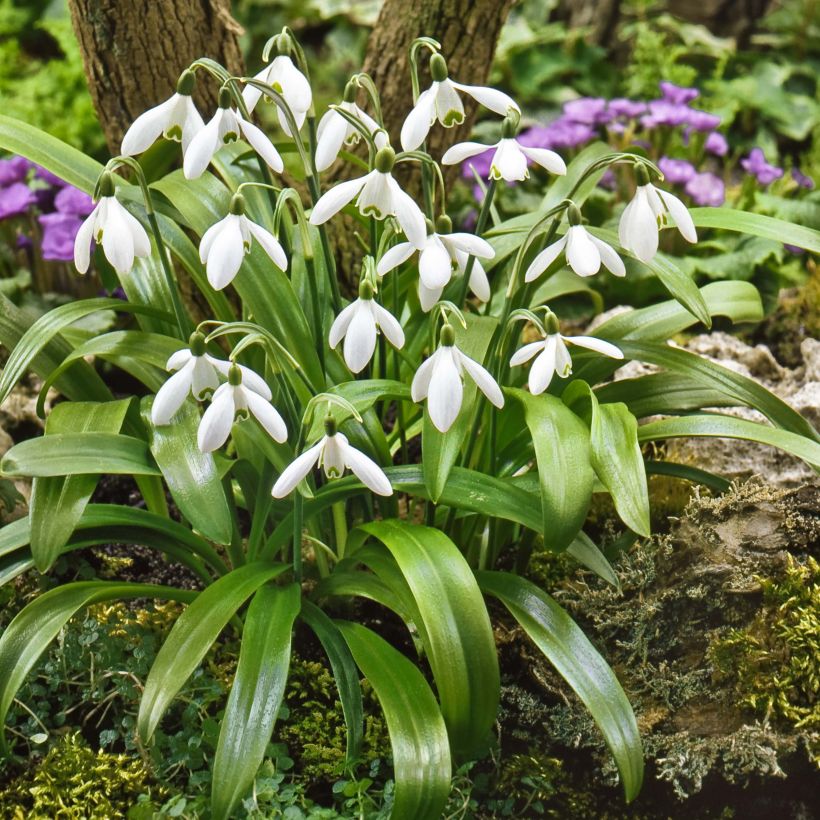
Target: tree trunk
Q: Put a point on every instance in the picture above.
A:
(134, 52)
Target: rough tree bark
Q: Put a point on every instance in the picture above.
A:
(134, 51)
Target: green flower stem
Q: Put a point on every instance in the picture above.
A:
(340, 528)
(310, 268)
(483, 216)
(397, 372)
(297, 536)
(235, 552)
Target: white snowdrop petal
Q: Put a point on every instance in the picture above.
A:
(217, 420)
(612, 262)
(250, 378)
(449, 110)
(546, 159)
(542, 369)
(479, 283)
(491, 98)
(563, 360)
(192, 124)
(204, 378)
(267, 415)
(367, 471)
(208, 238)
(201, 150)
(178, 359)
(639, 228)
(681, 216)
(485, 382)
(544, 259)
(524, 354)
(142, 244)
(463, 150)
(171, 395)
(394, 257)
(117, 240)
(509, 162)
(332, 458)
(469, 243)
(250, 94)
(376, 197)
(82, 242)
(445, 392)
(147, 127)
(582, 254)
(421, 380)
(257, 140)
(295, 87)
(428, 296)
(332, 201)
(408, 214)
(435, 264)
(360, 339)
(417, 125)
(296, 471)
(389, 325)
(330, 139)
(341, 324)
(269, 243)
(226, 255)
(598, 345)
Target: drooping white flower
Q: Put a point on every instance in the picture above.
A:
(553, 357)
(224, 245)
(379, 195)
(333, 453)
(238, 397)
(584, 252)
(175, 119)
(440, 381)
(441, 102)
(443, 255)
(283, 76)
(227, 126)
(509, 160)
(647, 213)
(110, 224)
(334, 131)
(359, 323)
(198, 374)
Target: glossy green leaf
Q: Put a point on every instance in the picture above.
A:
(562, 449)
(191, 475)
(77, 453)
(37, 624)
(418, 736)
(57, 503)
(718, 426)
(256, 694)
(585, 551)
(579, 663)
(688, 473)
(458, 636)
(192, 636)
(732, 219)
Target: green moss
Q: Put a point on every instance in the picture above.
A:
(73, 781)
(774, 663)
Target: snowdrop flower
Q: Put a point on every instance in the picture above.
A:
(226, 126)
(175, 119)
(198, 374)
(439, 380)
(235, 398)
(510, 158)
(359, 324)
(333, 453)
(553, 356)
(110, 224)
(584, 252)
(443, 254)
(647, 213)
(224, 245)
(334, 130)
(441, 102)
(283, 76)
(379, 195)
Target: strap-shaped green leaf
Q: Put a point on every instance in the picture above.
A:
(77, 453)
(57, 503)
(732, 219)
(562, 449)
(457, 632)
(418, 736)
(688, 473)
(191, 475)
(256, 694)
(192, 636)
(579, 663)
(37, 624)
(718, 426)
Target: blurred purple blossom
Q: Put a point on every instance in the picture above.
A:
(71, 200)
(47, 176)
(676, 171)
(59, 231)
(15, 200)
(664, 112)
(588, 110)
(716, 144)
(706, 189)
(756, 165)
(626, 108)
(802, 180)
(702, 120)
(14, 169)
(676, 94)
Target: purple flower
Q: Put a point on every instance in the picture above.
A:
(71, 200)
(706, 189)
(716, 144)
(626, 108)
(59, 232)
(677, 171)
(588, 110)
(677, 95)
(802, 180)
(702, 120)
(13, 170)
(663, 112)
(47, 176)
(756, 165)
(15, 200)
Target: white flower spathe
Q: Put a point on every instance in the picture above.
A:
(380, 196)
(333, 454)
(646, 214)
(584, 253)
(509, 160)
(553, 357)
(334, 131)
(121, 235)
(441, 102)
(442, 255)
(227, 126)
(175, 119)
(224, 245)
(230, 400)
(198, 376)
(358, 324)
(440, 381)
(283, 76)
